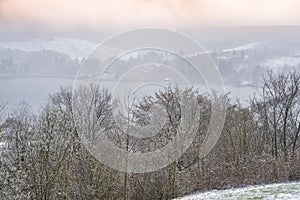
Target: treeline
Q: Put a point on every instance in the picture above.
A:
(42, 156)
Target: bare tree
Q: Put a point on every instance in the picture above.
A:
(278, 109)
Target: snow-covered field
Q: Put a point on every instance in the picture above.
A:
(281, 191)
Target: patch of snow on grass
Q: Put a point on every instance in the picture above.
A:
(281, 191)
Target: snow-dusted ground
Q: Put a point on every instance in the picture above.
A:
(281, 191)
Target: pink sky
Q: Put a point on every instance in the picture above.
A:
(64, 14)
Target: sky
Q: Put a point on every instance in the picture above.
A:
(64, 15)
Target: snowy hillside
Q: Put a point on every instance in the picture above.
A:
(243, 48)
(282, 191)
(38, 57)
(243, 62)
(73, 48)
(282, 63)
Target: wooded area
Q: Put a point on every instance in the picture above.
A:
(42, 156)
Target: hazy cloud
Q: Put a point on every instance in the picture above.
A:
(65, 14)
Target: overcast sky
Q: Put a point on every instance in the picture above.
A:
(64, 15)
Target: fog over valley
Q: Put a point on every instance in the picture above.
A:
(30, 68)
